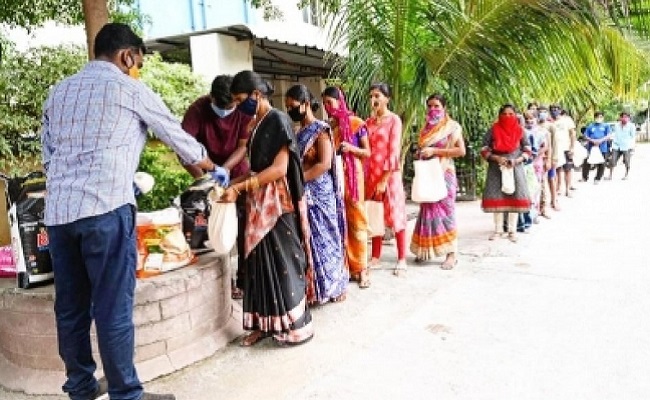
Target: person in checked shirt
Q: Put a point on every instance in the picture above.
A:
(94, 129)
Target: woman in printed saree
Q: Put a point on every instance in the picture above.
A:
(435, 231)
(277, 232)
(506, 148)
(323, 196)
(351, 141)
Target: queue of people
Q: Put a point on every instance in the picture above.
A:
(300, 194)
(531, 157)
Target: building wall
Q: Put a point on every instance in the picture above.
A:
(316, 85)
(214, 54)
(175, 17)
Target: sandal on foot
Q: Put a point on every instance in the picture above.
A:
(282, 341)
(364, 279)
(494, 235)
(400, 268)
(339, 298)
(512, 237)
(374, 263)
(253, 338)
(447, 265)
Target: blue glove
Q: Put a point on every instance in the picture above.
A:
(221, 176)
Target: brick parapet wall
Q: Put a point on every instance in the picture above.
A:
(181, 317)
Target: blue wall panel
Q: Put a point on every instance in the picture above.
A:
(175, 17)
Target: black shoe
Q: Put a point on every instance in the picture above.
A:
(102, 389)
(154, 396)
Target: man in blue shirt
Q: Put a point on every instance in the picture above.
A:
(623, 138)
(597, 134)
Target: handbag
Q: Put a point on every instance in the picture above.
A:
(222, 225)
(375, 214)
(429, 181)
(507, 180)
(595, 156)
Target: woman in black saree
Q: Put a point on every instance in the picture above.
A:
(277, 232)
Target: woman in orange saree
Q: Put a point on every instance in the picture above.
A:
(351, 142)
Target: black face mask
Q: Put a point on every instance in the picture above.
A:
(296, 115)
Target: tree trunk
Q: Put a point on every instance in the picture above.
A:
(95, 16)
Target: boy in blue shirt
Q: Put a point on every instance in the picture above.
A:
(597, 134)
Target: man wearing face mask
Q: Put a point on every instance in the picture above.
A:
(565, 138)
(215, 122)
(623, 137)
(597, 134)
(549, 188)
(94, 129)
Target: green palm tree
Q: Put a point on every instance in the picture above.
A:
(483, 53)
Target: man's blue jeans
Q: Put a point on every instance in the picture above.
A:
(94, 262)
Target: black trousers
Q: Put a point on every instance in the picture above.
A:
(600, 171)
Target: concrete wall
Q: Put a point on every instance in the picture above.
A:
(316, 85)
(214, 54)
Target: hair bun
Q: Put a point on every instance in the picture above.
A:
(314, 104)
(269, 88)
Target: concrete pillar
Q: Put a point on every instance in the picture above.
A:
(215, 54)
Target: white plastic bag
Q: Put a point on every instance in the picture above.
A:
(429, 181)
(375, 213)
(580, 154)
(595, 156)
(222, 224)
(340, 174)
(561, 159)
(507, 180)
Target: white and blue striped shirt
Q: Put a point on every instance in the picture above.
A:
(94, 129)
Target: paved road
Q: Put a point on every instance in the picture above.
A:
(563, 314)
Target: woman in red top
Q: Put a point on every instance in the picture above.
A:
(384, 175)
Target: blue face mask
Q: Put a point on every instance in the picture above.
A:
(543, 116)
(221, 112)
(248, 106)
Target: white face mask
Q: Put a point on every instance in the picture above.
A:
(221, 112)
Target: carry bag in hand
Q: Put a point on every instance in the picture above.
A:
(429, 181)
(222, 224)
(375, 213)
(507, 180)
(595, 156)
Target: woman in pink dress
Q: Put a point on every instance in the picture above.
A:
(384, 175)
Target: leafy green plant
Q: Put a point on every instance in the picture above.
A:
(174, 82)
(25, 79)
(170, 178)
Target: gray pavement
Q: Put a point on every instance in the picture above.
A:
(562, 314)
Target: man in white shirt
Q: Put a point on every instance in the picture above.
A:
(565, 139)
(623, 137)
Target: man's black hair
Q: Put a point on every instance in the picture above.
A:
(115, 36)
(220, 90)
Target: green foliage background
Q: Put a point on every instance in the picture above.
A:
(25, 79)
